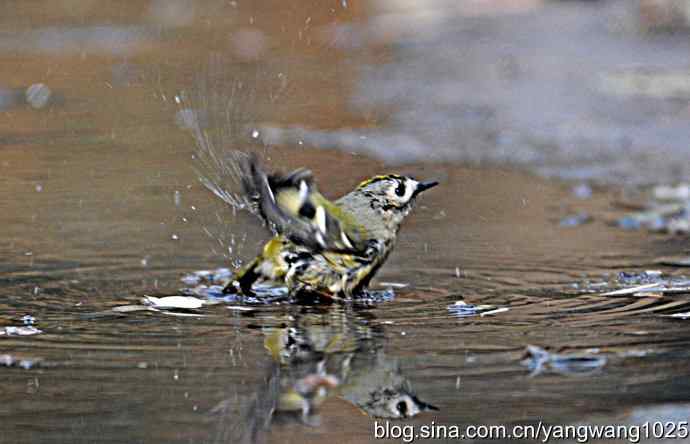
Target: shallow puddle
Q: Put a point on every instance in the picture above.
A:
(100, 206)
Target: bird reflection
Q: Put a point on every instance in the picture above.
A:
(324, 352)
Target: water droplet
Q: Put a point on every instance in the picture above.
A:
(39, 187)
(38, 95)
(255, 134)
(175, 237)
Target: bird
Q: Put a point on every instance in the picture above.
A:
(323, 247)
(339, 353)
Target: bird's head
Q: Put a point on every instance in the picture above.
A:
(393, 194)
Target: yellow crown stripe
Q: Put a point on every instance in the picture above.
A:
(379, 178)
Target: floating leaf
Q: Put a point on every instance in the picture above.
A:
(174, 302)
(27, 330)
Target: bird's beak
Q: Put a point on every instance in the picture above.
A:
(423, 186)
(423, 406)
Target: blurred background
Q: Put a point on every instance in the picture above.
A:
(559, 129)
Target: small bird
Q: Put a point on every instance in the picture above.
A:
(323, 247)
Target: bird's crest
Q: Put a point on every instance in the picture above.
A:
(375, 179)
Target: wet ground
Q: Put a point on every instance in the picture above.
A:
(100, 205)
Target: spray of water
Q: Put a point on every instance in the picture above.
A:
(220, 114)
(212, 112)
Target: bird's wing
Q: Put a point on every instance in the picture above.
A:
(293, 207)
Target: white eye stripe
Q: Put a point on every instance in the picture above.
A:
(410, 187)
(321, 219)
(303, 191)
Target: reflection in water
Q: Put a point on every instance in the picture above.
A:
(324, 352)
(99, 206)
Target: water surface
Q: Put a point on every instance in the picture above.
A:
(100, 205)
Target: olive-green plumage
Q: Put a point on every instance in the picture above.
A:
(330, 248)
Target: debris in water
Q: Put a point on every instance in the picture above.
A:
(665, 209)
(683, 316)
(132, 308)
(462, 309)
(648, 283)
(169, 305)
(680, 192)
(217, 276)
(239, 308)
(575, 220)
(171, 312)
(493, 312)
(13, 361)
(538, 361)
(375, 296)
(38, 95)
(20, 331)
(632, 290)
(635, 353)
(582, 191)
(645, 277)
(173, 302)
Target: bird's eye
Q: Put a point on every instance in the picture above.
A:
(307, 210)
(400, 191)
(402, 408)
